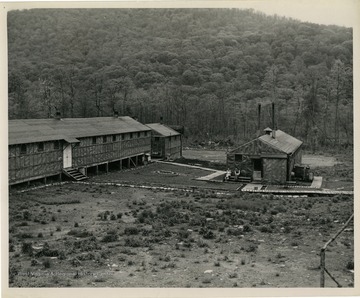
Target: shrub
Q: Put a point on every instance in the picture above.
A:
(119, 215)
(25, 235)
(265, 229)
(202, 243)
(134, 242)
(207, 234)
(113, 217)
(131, 231)
(27, 248)
(76, 225)
(110, 238)
(40, 235)
(251, 248)
(183, 234)
(206, 281)
(47, 263)
(34, 262)
(350, 265)
(58, 228)
(233, 275)
(247, 228)
(53, 218)
(47, 251)
(26, 215)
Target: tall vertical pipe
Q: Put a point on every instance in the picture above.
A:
(273, 120)
(259, 116)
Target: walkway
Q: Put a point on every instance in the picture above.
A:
(317, 182)
(189, 166)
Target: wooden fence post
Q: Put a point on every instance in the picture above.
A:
(322, 268)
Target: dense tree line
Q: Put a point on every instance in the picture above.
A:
(206, 69)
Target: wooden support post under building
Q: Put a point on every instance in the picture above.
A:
(60, 177)
(120, 164)
(129, 163)
(107, 167)
(97, 170)
(45, 180)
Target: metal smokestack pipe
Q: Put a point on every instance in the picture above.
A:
(258, 132)
(273, 120)
(259, 116)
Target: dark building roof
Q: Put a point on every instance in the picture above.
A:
(40, 130)
(282, 141)
(281, 144)
(163, 129)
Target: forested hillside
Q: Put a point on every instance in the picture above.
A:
(206, 69)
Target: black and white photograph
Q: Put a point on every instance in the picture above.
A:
(181, 147)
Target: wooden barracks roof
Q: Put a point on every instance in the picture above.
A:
(163, 129)
(282, 141)
(68, 129)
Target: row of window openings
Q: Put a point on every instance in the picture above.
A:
(173, 137)
(57, 143)
(131, 135)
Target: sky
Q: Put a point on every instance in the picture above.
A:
(330, 12)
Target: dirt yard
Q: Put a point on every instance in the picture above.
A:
(93, 235)
(219, 156)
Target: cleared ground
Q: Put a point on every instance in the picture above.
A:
(79, 235)
(219, 156)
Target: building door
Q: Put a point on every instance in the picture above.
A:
(257, 165)
(67, 158)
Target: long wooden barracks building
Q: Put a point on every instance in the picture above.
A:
(42, 148)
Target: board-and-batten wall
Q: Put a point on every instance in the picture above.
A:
(88, 152)
(166, 146)
(274, 170)
(34, 163)
(173, 146)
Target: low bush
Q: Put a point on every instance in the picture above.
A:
(80, 234)
(136, 242)
(131, 231)
(25, 235)
(26, 215)
(47, 263)
(265, 229)
(350, 265)
(27, 248)
(110, 238)
(251, 248)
